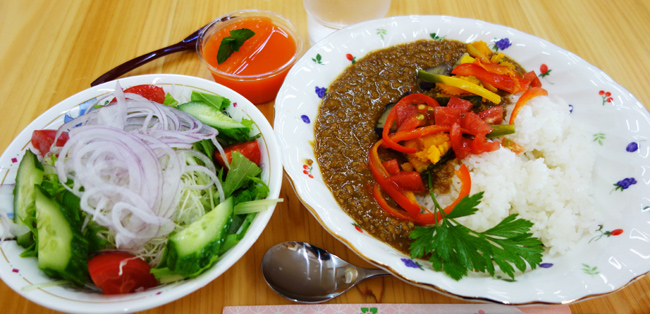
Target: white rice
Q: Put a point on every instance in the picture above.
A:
(549, 184)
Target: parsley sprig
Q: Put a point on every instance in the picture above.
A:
(232, 43)
(456, 249)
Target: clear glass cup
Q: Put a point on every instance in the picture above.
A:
(327, 16)
(262, 86)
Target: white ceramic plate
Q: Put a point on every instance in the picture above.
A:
(21, 273)
(619, 123)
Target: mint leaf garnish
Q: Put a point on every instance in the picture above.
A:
(233, 43)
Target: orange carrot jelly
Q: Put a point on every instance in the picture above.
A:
(258, 69)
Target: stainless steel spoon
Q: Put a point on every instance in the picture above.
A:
(305, 273)
(189, 43)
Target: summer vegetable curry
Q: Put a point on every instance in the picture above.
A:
(395, 125)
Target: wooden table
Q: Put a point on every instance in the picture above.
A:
(50, 50)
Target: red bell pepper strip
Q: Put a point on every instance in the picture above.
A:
(500, 81)
(381, 176)
(408, 180)
(397, 213)
(497, 68)
(533, 79)
(412, 99)
(427, 218)
(466, 185)
(524, 98)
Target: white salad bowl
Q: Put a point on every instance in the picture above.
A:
(23, 275)
(620, 125)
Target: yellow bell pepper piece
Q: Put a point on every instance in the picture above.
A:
(466, 58)
(460, 83)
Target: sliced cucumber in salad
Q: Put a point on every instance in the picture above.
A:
(62, 249)
(196, 247)
(30, 173)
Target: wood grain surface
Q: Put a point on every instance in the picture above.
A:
(50, 50)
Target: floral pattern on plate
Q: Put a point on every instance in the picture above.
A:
(618, 125)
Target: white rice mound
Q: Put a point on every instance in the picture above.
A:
(550, 184)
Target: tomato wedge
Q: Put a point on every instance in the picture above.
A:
(250, 150)
(464, 104)
(492, 115)
(151, 92)
(42, 140)
(391, 166)
(459, 144)
(120, 272)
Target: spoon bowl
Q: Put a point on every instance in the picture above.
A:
(305, 273)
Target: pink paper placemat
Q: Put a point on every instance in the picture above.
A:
(396, 309)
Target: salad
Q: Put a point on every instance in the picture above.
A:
(140, 190)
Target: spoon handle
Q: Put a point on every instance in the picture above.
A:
(369, 273)
(138, 61)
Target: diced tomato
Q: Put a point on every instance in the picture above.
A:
(492, 115)
(391, 166)
(474, 124)
(456, 102)
(42, 140)
(151, 92)
(481, 145)
(409, 181)
(459, 144)
(119, 272)
(250, 150)
(446, 116)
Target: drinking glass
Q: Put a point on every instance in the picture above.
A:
(327, 16)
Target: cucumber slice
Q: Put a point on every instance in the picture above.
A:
(196, 247)
(210, 115)
(62, 249)
(30, 173)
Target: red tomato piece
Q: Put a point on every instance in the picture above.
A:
(408, 180)
(492, 115)
(151, 92)
(119, 272)
(474, 124)
(250, 150)
(391, 166)
(481, 145)
(42, 140)
(456, 102)
(459, 144)
(404, 112)
(445, 116)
